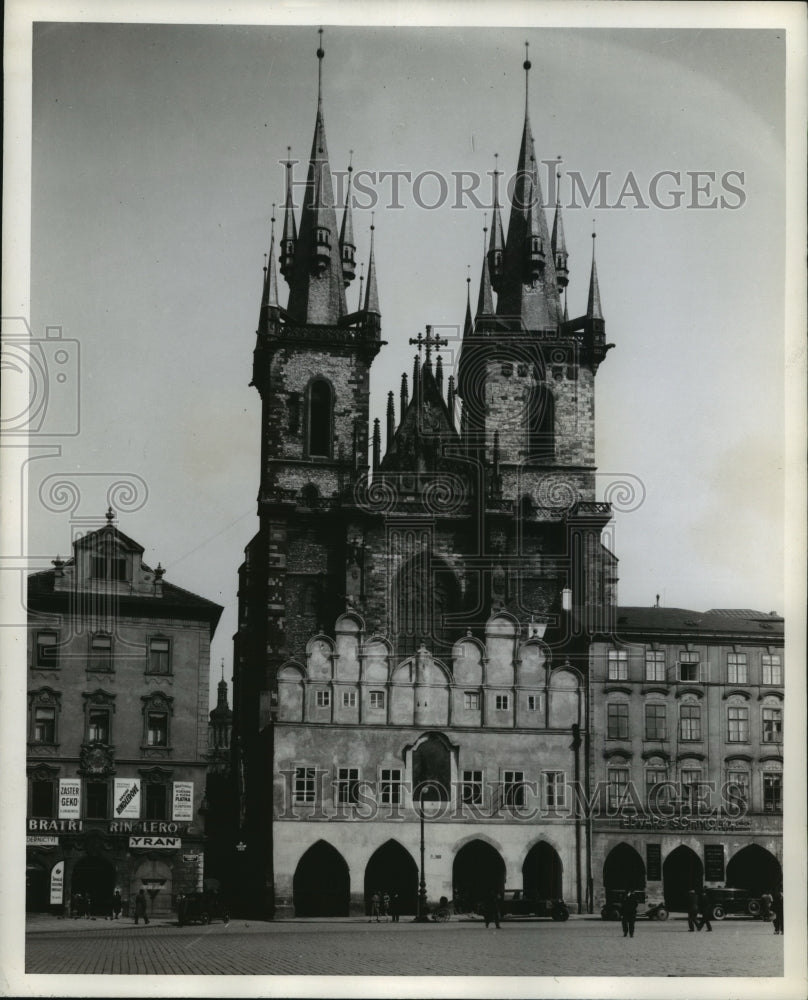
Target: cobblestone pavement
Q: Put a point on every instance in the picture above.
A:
(582, 946)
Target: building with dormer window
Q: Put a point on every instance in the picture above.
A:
(118, 665)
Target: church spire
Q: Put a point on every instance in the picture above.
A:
(485, 300)
(467, 324)
(558, 243)
(527, 289)
(593, 310)
(269, 300)
(347, 245)
(496, 245)
(371, 291)
(317, 285)
(289, 238)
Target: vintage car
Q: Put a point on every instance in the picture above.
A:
(201, 907)
(614, 899)
(516, 903)
(720, 902)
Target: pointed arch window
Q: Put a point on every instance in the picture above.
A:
(320, 398)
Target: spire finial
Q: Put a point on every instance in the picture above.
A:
(222, 668)
(526, 65)
(361, 282)
(272, 221)
(110, 515)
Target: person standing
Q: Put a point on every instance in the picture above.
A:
(704, 911)
(386, 904)
(628, 913)
(394, 907)
(692, 911)
(766, 906)
(117, 904)
(777, 911)
(140, 906)
(491, 908)
(375, 905)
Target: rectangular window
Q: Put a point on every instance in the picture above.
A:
(772, 792)
(618, 786)
(691, 779)
(109, 567)
(377, 699)
(532, 703)
(304, 784)
(44, 725)
(654, 665)
(502, 702)
(689, 666)
(155, 801)
(348, 785)
(159, 656)
(98, 725)
(323, 699)
(656, 719)
(513, 788)
(772, 725)
(655, 776)
(472, 788)
(736, 669)
(740, 782)
(690, 722)
(738, 724)
(96, 799)
(47, 650)
(471, 700)
(772, 669)
(349, 699)
(618, 665)
(157, 729)
(42, 799)
(617, 720)
(555, 790)
(391, 785)
(101, 652)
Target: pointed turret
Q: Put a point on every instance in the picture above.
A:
(317, 284)
(467, 322)
(405, 396)
(439, 374)
(485, 300)
(593, 310)
(371, 291)
(269, 299)
(559, 245)
(289, 238)
(377, 445)
(450, 401)
(347, 245)
(527, 290)
(496, 246)
(391, 418)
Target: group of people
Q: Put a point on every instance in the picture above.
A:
(698, 911)
(81, 906)
(384, 904)
(772, 909)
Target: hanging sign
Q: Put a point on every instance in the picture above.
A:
(126, 800)
(183, 801)
(69, 798)
(57, 883)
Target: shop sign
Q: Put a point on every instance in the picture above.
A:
(166, 843)
(714, 862)
(57, 882)
(126, 802)
(41, 841)
(146, 826)
(54, 825)
(183, 807)
(692, 824)
(69, 798)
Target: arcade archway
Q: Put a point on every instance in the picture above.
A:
(94, 877)
(478, 867)
(623, 869)
(322, 884)
(681, 872)
(756, 869)
(543, 873)
(392, 869)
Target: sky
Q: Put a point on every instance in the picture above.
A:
(157, 155)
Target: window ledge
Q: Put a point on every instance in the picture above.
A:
(614, 686)
(688, 687)
(655, 688)
(156, 753)
(770, 693)
(729, 692)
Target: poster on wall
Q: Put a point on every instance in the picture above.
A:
(57, 882)
(183, 807)
(69, 798)
(126, 801)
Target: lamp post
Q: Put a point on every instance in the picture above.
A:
(421, 916)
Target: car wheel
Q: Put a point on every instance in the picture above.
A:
(753, 907)
(661, 913)
(719, 913)
(563, 915)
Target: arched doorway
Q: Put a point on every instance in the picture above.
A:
(392, 869)
(543, 873)
(623, 869)
(478, 867)
(94, 877)
(681, 872)
(155, 878)
(37, 888)
(322, 884)
(756, 869)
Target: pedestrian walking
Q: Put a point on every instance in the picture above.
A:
(117, 904)
(704, 912)
(375, 905)
(491, 912)
(140, 906)
(766, 901)
(693, 911)
(394, 907)
(628, 913)
(777, 911)
(386, 904)
(87, 904)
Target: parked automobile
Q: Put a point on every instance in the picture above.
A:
(516, 903)
(720, 902)
(201, 907)
(611, 909)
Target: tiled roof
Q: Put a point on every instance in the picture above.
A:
(645, 619)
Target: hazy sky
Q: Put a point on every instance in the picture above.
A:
(156, 159)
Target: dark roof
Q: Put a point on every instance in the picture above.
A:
(716, 620)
